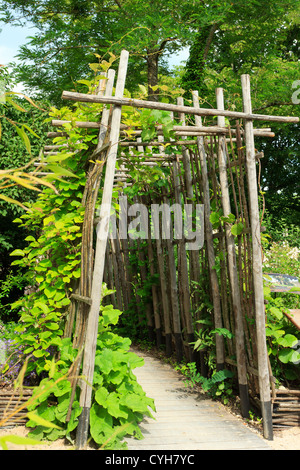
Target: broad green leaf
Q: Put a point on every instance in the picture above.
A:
(50, 292)
(101, 396)
(17, 253)
(237, 229)
(288, 341)
(30, 238)
(38, 353)
(52, 326)
(276, 312)
(285, 355)
(214, 218)
(60, 171)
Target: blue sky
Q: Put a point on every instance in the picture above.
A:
(12, 37)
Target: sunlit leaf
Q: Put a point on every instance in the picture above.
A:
(41, 421)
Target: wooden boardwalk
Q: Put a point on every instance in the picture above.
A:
(185, 420)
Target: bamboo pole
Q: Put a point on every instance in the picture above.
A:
(101, 242)
(85, 98)
(164, 297)
(154, 289)
(220, 353)
(263, 369)
(193, 254)
(232, 266)
(183, 274)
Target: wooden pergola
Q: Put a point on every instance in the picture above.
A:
(209, 164)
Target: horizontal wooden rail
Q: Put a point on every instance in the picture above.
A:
(179, 130)
(82, 97)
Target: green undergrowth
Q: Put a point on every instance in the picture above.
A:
(118, 401)
(51, 260)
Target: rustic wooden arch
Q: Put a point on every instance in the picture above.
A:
(209, 164)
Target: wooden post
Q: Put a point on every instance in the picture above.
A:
(220, 353)
(194, 254)
(263, 369)
(164, 296)
(173, 288)
(183, 274)
(102, 234)
(154, 288)
(232, 265)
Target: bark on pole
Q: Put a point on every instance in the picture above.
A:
(220, 353)
(102, 235)
(85, 98)
(263, 369)
(233, 273)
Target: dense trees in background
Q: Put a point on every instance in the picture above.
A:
(226, 38)
(14, 114)
(221, 33)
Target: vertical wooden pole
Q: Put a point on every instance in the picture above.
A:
(154, 289)
(173, 289)
(194, 254)
(102, 234)
(89, 200)
(232, 265)
(220, 353)
(263, 369)
(183, 274)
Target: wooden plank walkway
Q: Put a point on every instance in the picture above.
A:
(186, 420)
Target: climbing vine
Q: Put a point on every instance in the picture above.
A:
(52, 260)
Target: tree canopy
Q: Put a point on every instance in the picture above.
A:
(70, 32)
(226, 38)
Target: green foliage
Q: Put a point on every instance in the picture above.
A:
(118, 402)
(282, 335)
(151, 118)
(282, 339)
(216, 386)
(22, 132)
(148, 30)
(11, 287)
(281, 258)
(51, 260)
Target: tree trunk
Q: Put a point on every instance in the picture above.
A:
(152, 72)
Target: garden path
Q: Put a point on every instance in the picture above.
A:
(185, 419)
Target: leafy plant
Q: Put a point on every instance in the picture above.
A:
(119, 402)
(283, 338)
(216, 386)
(151, 118)
(51, 260)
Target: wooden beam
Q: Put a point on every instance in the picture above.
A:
(220, 352)
(263, 368)
(179, 130)
(68, 95)
(232, 267)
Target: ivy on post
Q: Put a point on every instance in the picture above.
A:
(102, 234)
